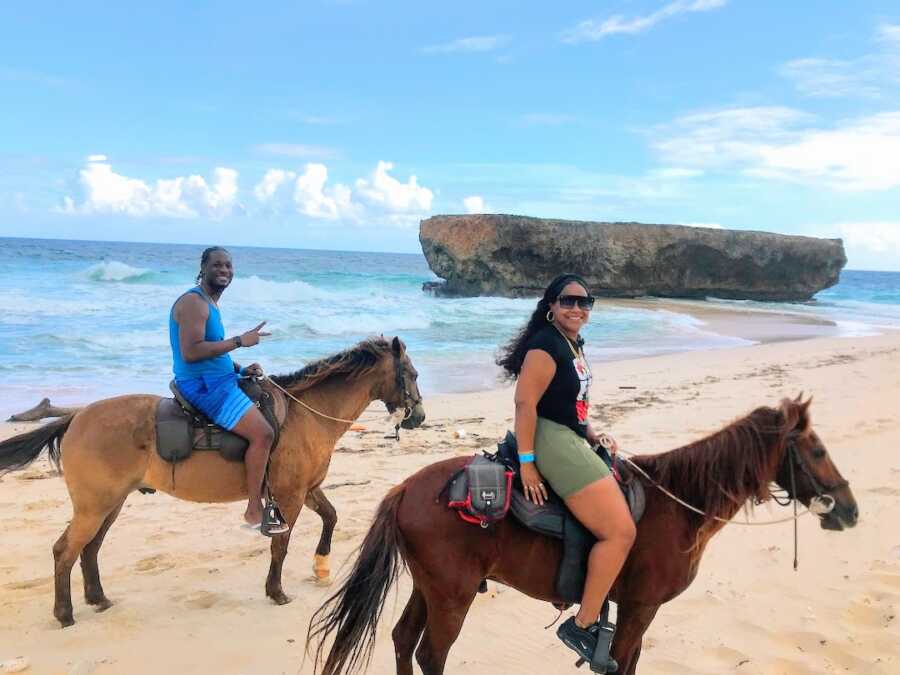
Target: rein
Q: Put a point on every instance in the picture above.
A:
(395, 411)
(820, 505)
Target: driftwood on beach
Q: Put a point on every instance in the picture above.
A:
(40, 411)
(517, 256)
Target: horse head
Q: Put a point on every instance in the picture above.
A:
(807, 472)
(399, 390)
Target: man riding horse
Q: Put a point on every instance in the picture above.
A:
(208, 378)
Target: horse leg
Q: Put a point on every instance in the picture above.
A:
(68, 547)
(631, 623)
(318, 502)
(408, 630)
(290, 509)
(446, 612)
(90, 571)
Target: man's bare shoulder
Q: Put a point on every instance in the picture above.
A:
(190, 305)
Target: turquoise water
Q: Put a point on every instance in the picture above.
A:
(82, 320)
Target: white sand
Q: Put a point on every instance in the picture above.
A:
(188, 584)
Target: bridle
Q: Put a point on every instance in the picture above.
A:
(408, 402)
(822, 503)
(795, 460)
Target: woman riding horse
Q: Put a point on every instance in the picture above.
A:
(553, 434)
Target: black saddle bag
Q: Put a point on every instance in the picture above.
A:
(481, 490)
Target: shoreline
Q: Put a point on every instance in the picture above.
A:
(181, 574)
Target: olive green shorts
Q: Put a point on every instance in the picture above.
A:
(565, 459)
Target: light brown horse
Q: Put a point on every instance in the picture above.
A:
(448, 558)
(108, 450)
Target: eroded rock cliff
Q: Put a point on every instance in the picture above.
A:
(517, 256)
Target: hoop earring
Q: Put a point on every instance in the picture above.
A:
(550, 316)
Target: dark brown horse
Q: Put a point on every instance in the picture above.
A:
(108, 450)
(448, 558)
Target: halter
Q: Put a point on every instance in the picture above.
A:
(408, 403)
(820, 505)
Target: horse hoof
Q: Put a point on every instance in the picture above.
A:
(321, 581)
(280, 598)
(101, 605)
(66, 621)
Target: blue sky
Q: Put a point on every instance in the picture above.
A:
(342, 124)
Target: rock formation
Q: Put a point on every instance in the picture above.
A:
(517, 256)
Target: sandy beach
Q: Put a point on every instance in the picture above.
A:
(187, 583)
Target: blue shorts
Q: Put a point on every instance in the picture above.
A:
(218, 397)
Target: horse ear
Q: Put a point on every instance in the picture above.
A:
(397, 346)
(803, 419)
(790, 411)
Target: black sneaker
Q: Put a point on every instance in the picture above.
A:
(583, 641)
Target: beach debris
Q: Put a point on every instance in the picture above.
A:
(357, 427)
(40, 411)
(16, 665)
(459, 433)
(347, 483)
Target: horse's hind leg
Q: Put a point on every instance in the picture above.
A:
(81, 530)
(90, 571)
(445, 615)
(318, 502)
(408, 631)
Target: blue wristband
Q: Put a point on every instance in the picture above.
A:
(526, 459)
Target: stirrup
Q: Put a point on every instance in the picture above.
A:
(272, 521)
(603, 630)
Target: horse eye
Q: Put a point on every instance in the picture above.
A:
(818, 453)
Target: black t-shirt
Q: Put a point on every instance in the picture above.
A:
(567, 396)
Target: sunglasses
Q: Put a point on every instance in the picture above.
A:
(585, 302)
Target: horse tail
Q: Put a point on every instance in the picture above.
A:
(352, 613)
(20, 451)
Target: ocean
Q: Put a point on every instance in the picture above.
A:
(82, 320)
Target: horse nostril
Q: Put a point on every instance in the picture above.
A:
(854, 514)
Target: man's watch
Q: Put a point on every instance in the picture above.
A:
(237, 341)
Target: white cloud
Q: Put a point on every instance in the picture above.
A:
(889, 32)
(874, 237)
(266, 188)
(779, 143)
(591, 30)
(297, 151)
(315, 200)
(869, 76)
(474, 204)
(386, 191)
(483, 43)
(105, 191)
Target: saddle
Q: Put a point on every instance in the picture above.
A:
(181, 429)
(553, 519)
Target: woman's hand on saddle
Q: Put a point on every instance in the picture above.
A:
(532, 483)
(252, 336)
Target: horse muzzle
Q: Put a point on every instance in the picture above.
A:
(843, 515)
(415, 418)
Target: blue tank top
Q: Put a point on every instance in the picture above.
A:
(215, 331)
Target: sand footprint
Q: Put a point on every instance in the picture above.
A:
(28, 583)
(155, 564)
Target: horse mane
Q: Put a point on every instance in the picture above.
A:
(722, 471)
(351, 363)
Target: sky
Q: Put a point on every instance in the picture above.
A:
(341, 124)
